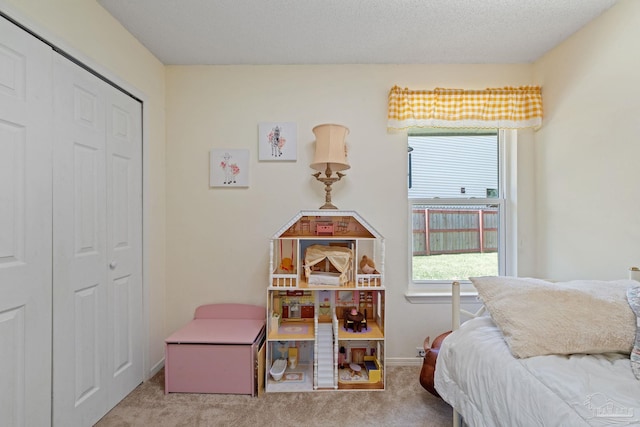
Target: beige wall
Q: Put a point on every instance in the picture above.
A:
(218, 239)
(88, 32)
(586, 152)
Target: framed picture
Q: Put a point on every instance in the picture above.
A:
(277, 141)
(345, 296)
(229, 168)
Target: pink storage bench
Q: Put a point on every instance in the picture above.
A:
(217, 352)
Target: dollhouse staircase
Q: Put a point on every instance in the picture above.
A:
(325, 353)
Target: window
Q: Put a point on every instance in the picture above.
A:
(457, 221)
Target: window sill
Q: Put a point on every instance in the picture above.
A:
(426, 297)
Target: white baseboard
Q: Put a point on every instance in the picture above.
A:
(404, 361)
(155, 369)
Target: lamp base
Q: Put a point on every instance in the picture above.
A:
(328, 205)
(328, 181)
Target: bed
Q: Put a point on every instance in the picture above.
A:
(341, 258)
(517, 366)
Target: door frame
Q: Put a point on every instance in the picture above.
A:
(31, 27)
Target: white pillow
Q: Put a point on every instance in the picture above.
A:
(539, 317)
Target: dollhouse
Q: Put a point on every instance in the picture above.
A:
(325, 304)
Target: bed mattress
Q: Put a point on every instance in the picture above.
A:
(478, 376)
(324, 278)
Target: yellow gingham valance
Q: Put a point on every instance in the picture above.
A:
(506, 108)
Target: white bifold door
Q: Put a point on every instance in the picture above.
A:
(97, 256)
(25, 228)
(70, 238)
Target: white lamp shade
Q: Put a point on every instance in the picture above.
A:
(331, 149)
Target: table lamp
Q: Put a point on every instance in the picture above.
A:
(330, 156)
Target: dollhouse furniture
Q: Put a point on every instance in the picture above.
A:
(342, 224)
(324, 229)
(363, 322)
(324, 282)
(347, 323)
(354, 321)
(372, 367)
(341, 258)
(220, 351)
(355, 369)
(277, 369)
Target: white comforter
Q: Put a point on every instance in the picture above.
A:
(478, 376)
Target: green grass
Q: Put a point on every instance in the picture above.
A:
(455, 266)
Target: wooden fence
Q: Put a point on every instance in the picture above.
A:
(453, 231)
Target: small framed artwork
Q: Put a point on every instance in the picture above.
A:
(229, 168)
(277, 141)
(345, 296)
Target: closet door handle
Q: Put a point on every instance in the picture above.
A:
(113, 265)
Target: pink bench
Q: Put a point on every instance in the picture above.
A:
(217, 352)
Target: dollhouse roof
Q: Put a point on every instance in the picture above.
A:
(301, 222)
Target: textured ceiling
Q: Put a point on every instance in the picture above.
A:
(352, 31)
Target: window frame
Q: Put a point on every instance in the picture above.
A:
(438, 291)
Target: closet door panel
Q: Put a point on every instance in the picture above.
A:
(12, 189)
(80, 375)
(25, 228)
(12, 370)
(97, 305)
(124, 243)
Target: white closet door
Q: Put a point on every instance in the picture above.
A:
(124, 243)
(97, 303)
(25, 228)
(80, 375)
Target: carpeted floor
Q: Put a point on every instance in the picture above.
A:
(403, 403)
